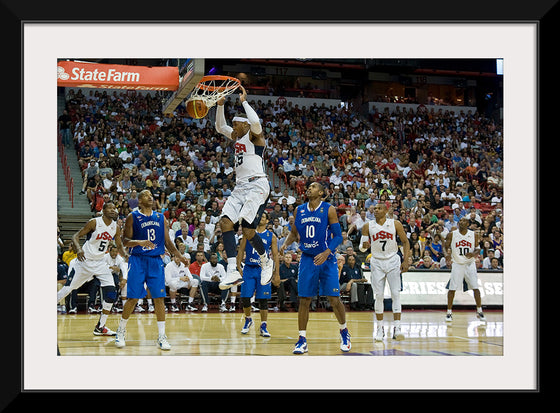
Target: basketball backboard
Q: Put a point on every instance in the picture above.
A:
(190, 73)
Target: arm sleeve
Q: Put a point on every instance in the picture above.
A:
(335, 241)
(253, 118)
(221, 125)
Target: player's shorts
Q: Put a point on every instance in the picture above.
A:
(145, 269)
(460, 272)
(252, 283)
(386, 270)
(80, 272)
(247, 202)
(318, 279)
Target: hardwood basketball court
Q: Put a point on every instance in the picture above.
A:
(218, 334)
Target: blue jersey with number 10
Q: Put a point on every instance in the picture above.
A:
(312, 227)
(150, 227)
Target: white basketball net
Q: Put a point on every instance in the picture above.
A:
(210, 89)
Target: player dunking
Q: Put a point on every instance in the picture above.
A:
(462, 242)
(381, 235)
(90, 262)
(146, 233)
(317, 227)
(248, 199)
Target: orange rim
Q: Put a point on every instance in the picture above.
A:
(227, 83)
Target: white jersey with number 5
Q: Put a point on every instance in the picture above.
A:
(249, 162)
(461, 245)
(383, 239)
(96, 245)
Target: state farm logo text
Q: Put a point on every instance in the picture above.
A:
(110, 75)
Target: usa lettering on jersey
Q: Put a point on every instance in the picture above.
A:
(382, 235)
(104, 236)
(463, 243)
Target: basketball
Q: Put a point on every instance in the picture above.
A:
(197, 108)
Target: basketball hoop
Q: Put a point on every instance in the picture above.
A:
(212, 88)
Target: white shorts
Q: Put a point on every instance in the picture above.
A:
(176, 284)
(390, 270)
(84, 271)
(247, 201)
(460, 272)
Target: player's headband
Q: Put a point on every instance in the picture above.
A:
(240, 119)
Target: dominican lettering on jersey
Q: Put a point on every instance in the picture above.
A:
(252, 256)
(151, 228)
(312, 227)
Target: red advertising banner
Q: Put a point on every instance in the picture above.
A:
(107, 76)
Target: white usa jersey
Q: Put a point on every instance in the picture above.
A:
(383, 239)
(96, 245)
(249, 162)
(461, 245)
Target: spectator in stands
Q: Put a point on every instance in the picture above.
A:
(351, 277)
(288, 281)
(426, 263)
(211, 273)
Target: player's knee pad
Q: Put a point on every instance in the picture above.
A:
(396, 298)
(378, 306)
(263, 304)
(245, 302)
(109, 293)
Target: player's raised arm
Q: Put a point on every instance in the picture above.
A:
(221, 124)
(252, 117)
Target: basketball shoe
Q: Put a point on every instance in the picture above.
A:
(119, 338)
(397, 333)
(103, 331)
(301, 346)
(163, 343)
(267, 266)
(263, 330)
(379, 334)
(232, 278)
(247, 326)
(345, 344)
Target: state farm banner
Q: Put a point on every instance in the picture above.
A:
(108, 76)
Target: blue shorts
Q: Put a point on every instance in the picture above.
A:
(318, 279)
(252, 283)
(145, 269)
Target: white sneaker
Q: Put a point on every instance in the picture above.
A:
(151, 308)
(267, 266)
(191, 308)
(232, 278)
(119, 338)
(448, 318)
(397, 333)
(163, 343)
(204, 308)
(223, 308)
(379, 334)
(247, 325)
(481, 317)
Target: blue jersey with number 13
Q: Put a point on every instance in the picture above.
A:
(150, 227)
